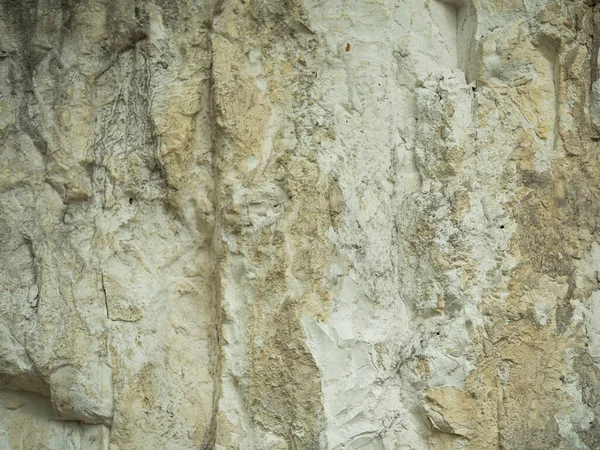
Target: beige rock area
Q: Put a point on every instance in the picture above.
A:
(299, 224)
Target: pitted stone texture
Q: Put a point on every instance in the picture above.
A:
(107, 217)
(299, 225)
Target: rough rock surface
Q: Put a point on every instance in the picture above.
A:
(294, 224)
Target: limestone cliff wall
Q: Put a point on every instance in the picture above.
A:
(299, 224)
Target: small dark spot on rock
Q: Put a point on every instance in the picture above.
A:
(347, 47)
(131, 201)
(502, 227)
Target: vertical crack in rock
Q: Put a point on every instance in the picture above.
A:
(215, 245)
(104, 295)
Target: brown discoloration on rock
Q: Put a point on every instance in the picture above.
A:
(276, 218)
(590, 389)
(285, 379)
(336, 203)
(451, 411)
(524, 357)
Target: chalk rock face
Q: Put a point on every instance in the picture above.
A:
(293, 224)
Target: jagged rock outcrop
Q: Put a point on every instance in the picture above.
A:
(272, 224)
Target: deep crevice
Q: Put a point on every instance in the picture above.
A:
(211, 435)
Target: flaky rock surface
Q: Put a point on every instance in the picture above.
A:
(293, 224)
